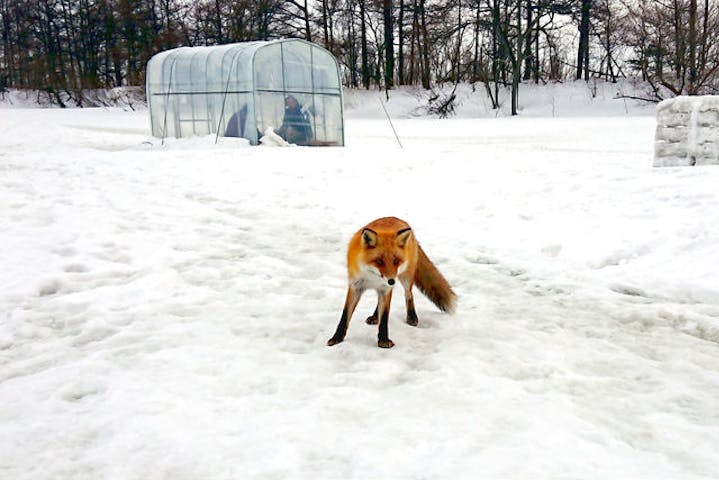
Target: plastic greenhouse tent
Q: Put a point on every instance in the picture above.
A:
(243, 89)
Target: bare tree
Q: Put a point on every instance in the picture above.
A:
(676, 46)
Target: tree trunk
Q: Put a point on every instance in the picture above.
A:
(475, 59)
(517, 62)
(414, 43)
(426, 74)
(495, 50)
(692, 47)
(6, 78)
(705, 35)
(306, 14)
(528, 43)
(352, 45)
(536, 50)
(679, 43)
(325, 27)
(363, 35)
(400, 32)
(583, 53)
(388, 44)
(218, 22)
(458, 62)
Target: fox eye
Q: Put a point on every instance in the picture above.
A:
(379, 262)
(396, 261)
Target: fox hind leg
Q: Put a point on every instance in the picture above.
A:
(374, 318)
(409, 302)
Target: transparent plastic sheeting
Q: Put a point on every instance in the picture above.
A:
(242, 89)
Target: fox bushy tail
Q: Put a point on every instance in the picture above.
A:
(433, 284)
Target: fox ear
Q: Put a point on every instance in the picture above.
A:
(403, 237)
(369, 238)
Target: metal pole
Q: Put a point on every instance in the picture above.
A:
(390, 123)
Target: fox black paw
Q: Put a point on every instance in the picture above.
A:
(412, 317)
(385, 343)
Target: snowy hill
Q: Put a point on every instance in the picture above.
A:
(130, 98)
(164, 308)
(571, 99)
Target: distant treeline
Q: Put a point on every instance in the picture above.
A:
(67, 46)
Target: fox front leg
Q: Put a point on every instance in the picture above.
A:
(383, 304)
(353, 297)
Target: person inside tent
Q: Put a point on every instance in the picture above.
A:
(295, 126)
(236, 124)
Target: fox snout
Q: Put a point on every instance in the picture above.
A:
(389, 277)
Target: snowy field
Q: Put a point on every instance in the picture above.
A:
(164, 308)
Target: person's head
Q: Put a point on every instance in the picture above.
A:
(291, 103)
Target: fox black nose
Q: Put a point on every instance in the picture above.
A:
(391, 281)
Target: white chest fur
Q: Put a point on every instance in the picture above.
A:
(369, 278)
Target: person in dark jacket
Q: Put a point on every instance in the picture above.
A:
(236, 124)
(295, 125)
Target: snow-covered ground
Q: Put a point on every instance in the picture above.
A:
(164, 308)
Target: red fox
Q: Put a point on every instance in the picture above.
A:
(377, 256)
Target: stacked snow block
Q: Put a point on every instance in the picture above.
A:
(687, 132)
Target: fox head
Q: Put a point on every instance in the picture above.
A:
(385, 253)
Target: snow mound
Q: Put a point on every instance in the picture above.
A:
(687, 132)
(271, 139)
